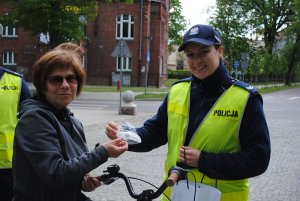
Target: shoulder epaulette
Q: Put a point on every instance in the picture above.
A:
(244, 85)
(188, 79)
(11, 72)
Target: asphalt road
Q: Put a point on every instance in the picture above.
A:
(281, 182)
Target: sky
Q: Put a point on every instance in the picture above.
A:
(196, 10)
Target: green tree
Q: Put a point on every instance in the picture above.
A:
(267, 17)
(58, 17)
(227, 20)
(61, 18)
(177, 24)
(292, 51)
(260, 18)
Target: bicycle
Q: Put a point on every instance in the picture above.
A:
(112, 173)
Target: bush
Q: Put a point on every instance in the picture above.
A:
(179, 74)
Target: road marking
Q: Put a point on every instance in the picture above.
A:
(85, 108)
(87, 105)
(293, 98)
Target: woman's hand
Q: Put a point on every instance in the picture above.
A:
(111, 129)
(89, 183)
(189, 156)
(116, 147)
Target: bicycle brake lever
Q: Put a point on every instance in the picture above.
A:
(109, 181)
(106, 180)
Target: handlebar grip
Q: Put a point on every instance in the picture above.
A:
(173, 178)
(105, 179)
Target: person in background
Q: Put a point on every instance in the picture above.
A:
(214, 125)
(51, 160)
(13, 90)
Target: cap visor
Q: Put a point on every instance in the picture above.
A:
(196, 41)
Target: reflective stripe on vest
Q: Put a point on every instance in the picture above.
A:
(223, 118)
(10, 88)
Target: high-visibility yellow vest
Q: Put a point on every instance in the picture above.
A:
(218, 133)
(10, 89)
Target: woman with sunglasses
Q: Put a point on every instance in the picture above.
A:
(51, 159)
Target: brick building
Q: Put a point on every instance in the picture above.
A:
(143, 26)
(18, 49)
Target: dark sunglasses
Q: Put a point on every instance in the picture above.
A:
(58, 80)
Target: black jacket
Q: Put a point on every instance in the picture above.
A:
(253, 134)
(50, 154)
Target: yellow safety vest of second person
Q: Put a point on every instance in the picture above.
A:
(218, 133)
(10, 88)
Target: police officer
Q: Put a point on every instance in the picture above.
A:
(13, 90)
(213, 124)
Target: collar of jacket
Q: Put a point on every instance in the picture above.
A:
(217, 82)
(62, 114)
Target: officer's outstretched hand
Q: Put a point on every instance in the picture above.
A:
(111, 129)
(115, 147)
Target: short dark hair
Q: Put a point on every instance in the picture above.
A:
(58, 58)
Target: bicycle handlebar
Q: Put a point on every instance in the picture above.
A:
(175, 174)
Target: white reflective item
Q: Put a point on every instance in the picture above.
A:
(130, 136)
(183, 192)
(1, 30)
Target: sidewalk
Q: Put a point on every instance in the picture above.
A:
(279, 183)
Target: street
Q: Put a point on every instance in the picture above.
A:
(279, 183)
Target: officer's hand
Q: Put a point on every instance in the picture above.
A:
(111, 129)
(189, 156)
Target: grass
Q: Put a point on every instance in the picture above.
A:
(160, 93)
(151, 96)
(114, 89)
(276, 88)
(163, 89)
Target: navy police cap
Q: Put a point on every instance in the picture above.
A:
(201, 34)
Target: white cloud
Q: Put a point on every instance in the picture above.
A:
(197, 11)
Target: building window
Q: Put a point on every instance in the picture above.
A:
(9, 58)
(125, 62)
(125, 27)
(9, 32)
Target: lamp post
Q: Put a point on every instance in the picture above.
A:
(245, 61)
(83, 21)
(121, 73)
(121, 51)
(147, 63)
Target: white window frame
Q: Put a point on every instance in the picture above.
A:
(9, 58)
(125, 27)
(127, 64)
(9, 32)
(83, 61)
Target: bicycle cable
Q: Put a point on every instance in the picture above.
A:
(149, 184)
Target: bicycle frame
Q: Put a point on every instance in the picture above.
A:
(175, 174)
